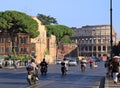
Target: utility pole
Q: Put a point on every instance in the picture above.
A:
(111, 28)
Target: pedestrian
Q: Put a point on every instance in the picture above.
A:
(118, 73)
(108, 65)
(115, 65)
(15, 64)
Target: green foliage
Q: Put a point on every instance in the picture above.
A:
(22, 57)
(47, 52)
(61, 32)
(66, 40)
(15, 22)
(19, 57)
(116, 50)
(46, 20)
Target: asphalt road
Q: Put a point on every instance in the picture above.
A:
(10, 78)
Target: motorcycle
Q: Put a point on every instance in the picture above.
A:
(83, 65)
(31, 77)
(63, 70)
(83, 68)
(43, 70)
(91, 65)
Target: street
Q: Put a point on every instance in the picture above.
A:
(10, 78)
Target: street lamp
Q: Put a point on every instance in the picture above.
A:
(111, 28)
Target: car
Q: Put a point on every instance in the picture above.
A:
(58, 61)
(66, 60)
(72, 63)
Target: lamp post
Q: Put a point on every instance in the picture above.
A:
(111, 28)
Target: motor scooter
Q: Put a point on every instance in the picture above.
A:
(43, 70)
(31, 76)
(63, 68)
(91, 65)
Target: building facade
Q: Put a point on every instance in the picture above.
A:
(39, 43)
(94, 40)
(21, 44)
(42, 44)
(51, 49)
(24, 45)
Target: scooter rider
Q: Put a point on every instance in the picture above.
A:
(64, 67)
(43, 66)
(34, 69)
(91, 63)
(83, 64)
(44, 63)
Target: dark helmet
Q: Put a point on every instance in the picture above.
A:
(44, 59)
(32, 60)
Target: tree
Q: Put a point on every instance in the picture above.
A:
(14, 22)
(46, 20)
(116, 49)
(61, 32)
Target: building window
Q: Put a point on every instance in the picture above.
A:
(25, 49)
(86, 48)
(99, 55)
(94, 48)
(99, 48)
(99, 40)
(21, 50)
(2, 40)
(90, 48)
(8, 49)
(82, 48)
(2, 49)
(104, 48)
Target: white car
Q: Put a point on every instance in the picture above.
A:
(58, 61)
(72, 63)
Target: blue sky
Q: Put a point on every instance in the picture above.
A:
(72, 13)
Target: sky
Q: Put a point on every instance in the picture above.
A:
(72, 13)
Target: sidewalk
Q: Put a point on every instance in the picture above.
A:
(110, 84)
(12, 67)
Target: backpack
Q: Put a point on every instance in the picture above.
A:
(29, 68)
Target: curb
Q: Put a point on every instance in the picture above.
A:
(12, 67)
